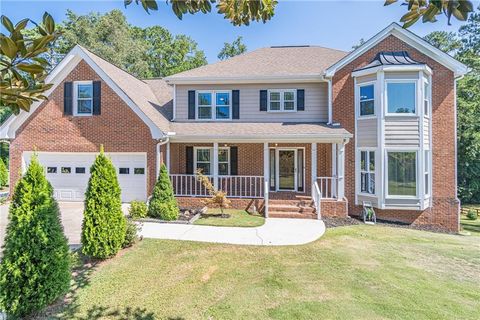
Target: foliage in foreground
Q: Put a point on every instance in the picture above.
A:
(3, 174)
(35, 269)
(138, 209)
(233, 49)
(163, 204)
(21, 65)
(218, 198)
(131, 234)
(104, 225)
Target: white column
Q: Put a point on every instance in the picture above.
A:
(215, 165)
(266, 174)
(334, 169)
(314, 164)
(341, 170)
(168, 157)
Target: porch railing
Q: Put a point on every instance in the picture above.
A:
(316, 196)
(327, 187)
(234, 186)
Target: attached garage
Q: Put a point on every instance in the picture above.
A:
(69, 173)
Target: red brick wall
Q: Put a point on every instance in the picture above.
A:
(118, 128)
(444, 212)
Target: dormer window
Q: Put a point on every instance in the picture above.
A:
(83, 98)
(214, 105)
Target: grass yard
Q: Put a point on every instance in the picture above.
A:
(238, 218)
(355, 272)
(472, 226)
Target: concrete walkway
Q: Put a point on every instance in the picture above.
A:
(275, 232)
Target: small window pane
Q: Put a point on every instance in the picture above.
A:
(274, 105)
(203, 155)
(205, 99)
(204, 112)
(371, 159)
(223, 155)
(402, 174)
(66, 170)
(272, 169)
(85, 91)
(401, 97)
(84, 106)
(363, 160)
(367, 102)
(427, 180)
(367, 108)
(289, 95)
(51, 169)
(223, 169)
(223, 113)
(367, 92)
(80, 170)
(139, 171)
(274, 96)
(223, 99)
(289, 105)
(124, 170)
(204, 167)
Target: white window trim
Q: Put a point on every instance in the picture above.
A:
(429, 98)
(213, 106)
(358, 100)
(387, 195)
(282, 100)
(211, 159)
(367, 150)
(415, 82)
(426, 171)
(75, 98)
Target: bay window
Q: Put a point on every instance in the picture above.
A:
(426, 171)
(367, 172)
(401, 97)
(367, 100)
(214, 105)
(402, 173)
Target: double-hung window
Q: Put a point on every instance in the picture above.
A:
(401, 97)
(402, 173)
(214, 105)
(204, 161)
(426, 171)
(282, 100)
(367, 100)
(426, 99)
(83, 98)
(367, 172)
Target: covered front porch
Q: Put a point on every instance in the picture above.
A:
(281, 179)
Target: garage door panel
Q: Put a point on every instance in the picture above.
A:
(70, 183)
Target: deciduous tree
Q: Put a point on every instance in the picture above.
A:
(232, 49)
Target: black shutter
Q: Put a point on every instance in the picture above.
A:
(236, 104)
(97, 97)
(263, 100)
(68, 98)
(233, 161)
(191, 104)
(189, 158)
(300, 100)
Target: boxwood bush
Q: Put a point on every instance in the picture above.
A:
(138, 209)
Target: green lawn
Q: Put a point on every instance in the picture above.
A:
(238, 218)
(355, 272)
(472, 226)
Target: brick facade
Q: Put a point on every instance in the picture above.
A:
(118, 128)
(445, 210)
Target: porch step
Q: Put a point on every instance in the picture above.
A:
(305, 201)
(290, 208)
(279, 214)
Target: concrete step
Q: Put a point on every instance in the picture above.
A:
(297, 203)
(291, 208)
(280, 214)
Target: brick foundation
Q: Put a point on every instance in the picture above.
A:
(236, 203)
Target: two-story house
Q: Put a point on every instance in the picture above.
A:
(294, 131)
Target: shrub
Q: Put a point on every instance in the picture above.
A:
(472, 214)
(131, 234)
(35, 269)
(104, 225)
(218, 198)
(3, 174)
(163, 204)
(138, 209)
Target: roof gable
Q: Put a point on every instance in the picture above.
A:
(136, 93)
(408, 37)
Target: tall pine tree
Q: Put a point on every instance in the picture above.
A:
(35, 268)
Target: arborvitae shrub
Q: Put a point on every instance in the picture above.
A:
(35, 268)
(163, 204)
(104, 225)
(3, 174)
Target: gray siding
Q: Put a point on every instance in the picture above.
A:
(368, 78)
(367, 133)
(316, 102)
(426, 133)
(402, 132)
(372, 199)
(401, 75)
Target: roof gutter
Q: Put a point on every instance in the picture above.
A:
(246, 79)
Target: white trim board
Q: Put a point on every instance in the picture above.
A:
(411, 39)
(57, 75)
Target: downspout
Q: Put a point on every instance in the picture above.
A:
(160, 143)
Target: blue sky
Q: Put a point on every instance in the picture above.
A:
(334, 24)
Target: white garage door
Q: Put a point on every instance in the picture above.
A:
(69, 173)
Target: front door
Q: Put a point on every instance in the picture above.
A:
(287, 169)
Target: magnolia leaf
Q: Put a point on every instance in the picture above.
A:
(48, 23)
(21, 24)
(31, 68)
(8, 47)
(7, 23)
